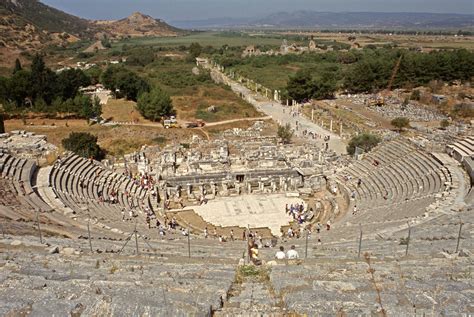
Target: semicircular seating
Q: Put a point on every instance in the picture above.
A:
(82, 184)
(397, 181)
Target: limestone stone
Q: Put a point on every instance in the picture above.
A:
(68, 251)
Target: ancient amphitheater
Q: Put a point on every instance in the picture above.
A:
(76, 239)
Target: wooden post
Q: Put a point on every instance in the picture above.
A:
(136, 237)
(39, 228)
(89, 234)
(306, 247)
(247, 246)
(360, 240)
(189, 244)
(459, 236)
(408, 238)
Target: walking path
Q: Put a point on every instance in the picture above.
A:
(281, 114)
(208, 124)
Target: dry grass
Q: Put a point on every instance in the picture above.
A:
(116, 140)
(122, 110)
(229, 106)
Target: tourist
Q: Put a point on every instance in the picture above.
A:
(162, 230)
(354, 211)
(231, 235)
(205, 233)
(253, 252)
(290, 232)
(328, 225)
(280, 255)
(318, 227)
(292, 254)
(180, 202)
(148, 221)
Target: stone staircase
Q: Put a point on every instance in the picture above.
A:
(251, 296)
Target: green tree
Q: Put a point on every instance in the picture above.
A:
(19, 87)
(106, 42)
(2, 124)
(303, 86)
(96, 107)
(324, 87)
(69, 82)
(195, 50)
(83, 144)
(124, 82)
(17, 66)
(365, 141)
(415, 95)
(4, 89)
(141, 57)
(155, 104)
(300, 87)
(83, 106)
(94, 74)
(43, 81)
(400, 123)
(285, 133)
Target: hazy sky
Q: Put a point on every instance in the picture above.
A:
(202, 9)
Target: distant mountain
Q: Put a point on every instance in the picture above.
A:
(30, 24)
(342, 20)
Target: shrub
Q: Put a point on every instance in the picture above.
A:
(83, 144)
(285, 133)
(365, 141)
(400, 123)
(444, 123)
(415, 95)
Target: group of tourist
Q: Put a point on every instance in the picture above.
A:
(291, 254)
(253, 253)
(297, 212)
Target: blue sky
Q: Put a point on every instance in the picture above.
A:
(202, 9)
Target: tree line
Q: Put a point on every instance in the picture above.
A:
(369, 71)
(39, 89)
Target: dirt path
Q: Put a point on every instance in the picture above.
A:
(208, 124)
(211, 124)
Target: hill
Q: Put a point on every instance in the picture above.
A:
(136, 25)
(30, 25)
